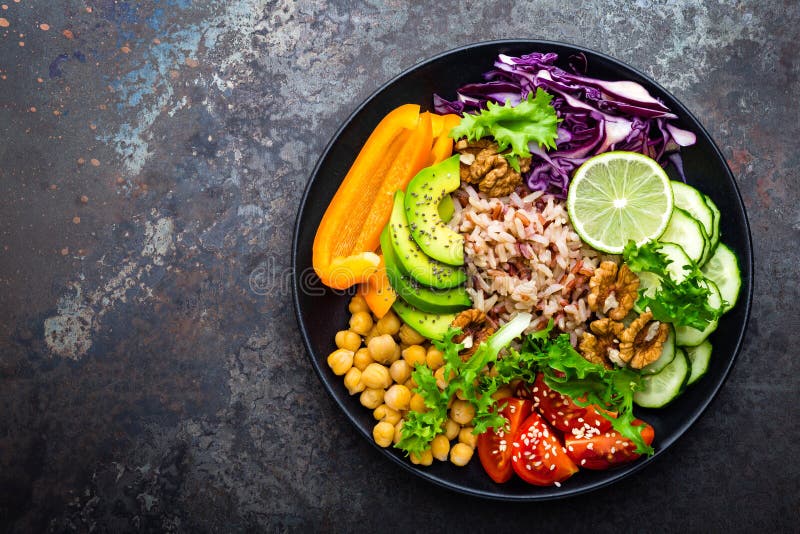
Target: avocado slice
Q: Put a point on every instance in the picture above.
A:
(423, 195)
(422, 297)
(430, 325)
(410, 258)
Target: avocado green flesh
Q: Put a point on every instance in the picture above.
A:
(422, 297)
(410, 258)
(430, 325)
(423, 195)
(446, 208)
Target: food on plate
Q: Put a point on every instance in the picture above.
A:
(617, 197)
(398, 148)
(411, 259)
(422, 199)
(526, 295)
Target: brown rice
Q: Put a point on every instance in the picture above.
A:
(523, 255)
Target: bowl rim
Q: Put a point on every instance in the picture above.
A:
(617, 474)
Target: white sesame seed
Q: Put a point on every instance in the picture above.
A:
(552, 467)
(558, 484)
(590, 446)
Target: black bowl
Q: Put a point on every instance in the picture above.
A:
(322, 312)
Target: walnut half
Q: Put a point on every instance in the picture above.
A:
(613, 290)
(475, 329)
(482, 164)
(611, 343)
(641, 343)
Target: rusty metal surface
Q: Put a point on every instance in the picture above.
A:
(152, 157)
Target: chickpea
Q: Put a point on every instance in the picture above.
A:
(414, 355)
(346, 339)
(411, 384)
(502, 393)
(423, 458)
(451, 429)
(400, 371)
(434, 358)
(398, 397)
(398, 352)
(383, 433)
(409, 336)
(361, 323)
(362, 359)
(461, 411)
(373, 333)
(466, 436)
(441, 383)
(440, 447)
(382, 348)
(385, 413)
(358, 304)
(417, 404)
(376, 376)
(389, 324)
(461, 454)
(352, 381)
(371, 398)
(398, 432)
(340, 361)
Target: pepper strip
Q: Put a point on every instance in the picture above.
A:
(443, 144)
(336, 259)
(378, 292)
(413, 158)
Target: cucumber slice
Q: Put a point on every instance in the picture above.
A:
(686, 232)
(723, 269)
(692, 202)
(699, 357)
(662, 388)
(686, 336)
(680, 352)
(713, 236)
(650, 283)
(667, 355)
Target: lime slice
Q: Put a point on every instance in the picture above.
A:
(619, 196)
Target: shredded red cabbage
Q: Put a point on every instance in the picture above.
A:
(597, 115)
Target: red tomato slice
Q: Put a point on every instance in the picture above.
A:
(494, 447)
(607, 449)
(565, 415)
(538, 456)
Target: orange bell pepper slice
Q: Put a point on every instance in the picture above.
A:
(443, 144)
(343, 257)
(378, 292)
(413, 157)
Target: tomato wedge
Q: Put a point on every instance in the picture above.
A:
(605, 450)
(565, 415)
(538, 456)
(494, 447)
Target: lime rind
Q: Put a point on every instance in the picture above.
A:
(633, 181)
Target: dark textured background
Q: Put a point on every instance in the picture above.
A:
(152, 157)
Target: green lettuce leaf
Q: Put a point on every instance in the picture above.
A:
(684, 303)
(532, 120)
